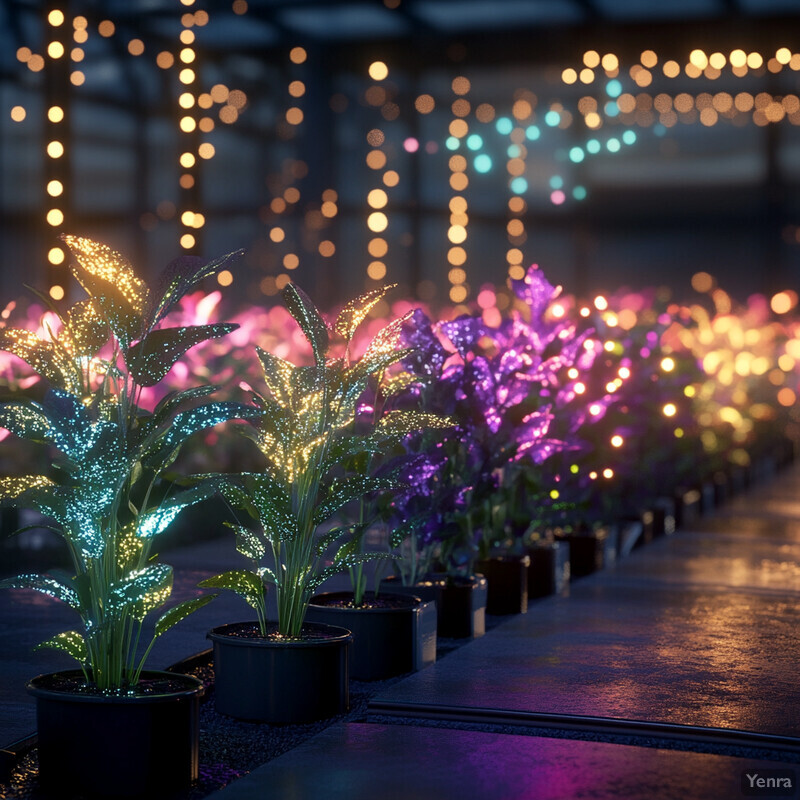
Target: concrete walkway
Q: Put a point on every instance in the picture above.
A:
(671, 675)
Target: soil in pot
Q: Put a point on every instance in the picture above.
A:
(278, 679)
(143, 743)
(392, 633)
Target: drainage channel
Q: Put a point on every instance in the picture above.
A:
(670, 733)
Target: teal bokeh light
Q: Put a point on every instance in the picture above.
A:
(593, 146)
(504, 125)
(452, 143)
(576, 155)
(556, 182)
(614, 88)
(474, 142)
(519, 185)
(613, 145)
(482, 163)
(532, 132)
(552, 118)
(579, 193)
(629, 137)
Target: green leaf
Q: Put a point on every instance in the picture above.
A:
(354, 312)
(141, 591)
(248, 542)
(355, 530)
(246, 584)
(69, 642)
(342, 491)
(151, 358)
(307, 316)
(46, 584)
(179, 612)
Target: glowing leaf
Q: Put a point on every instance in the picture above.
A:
(176, 614)
(36, 352)
(354, 312)
(150, 359)
(343, 490)
(355, 532)
(345, 563)
(112, 268)
(176, 279)
(387, 338)
(197, 419)
(246, 584)
(69, 642)
(24, 419)
(141, 591)
(401, 423)
(248, 542)
(277, 374)
(46, 584)
(156, 521)
(85, 329)
(300, 306)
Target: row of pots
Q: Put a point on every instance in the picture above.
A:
(147, 745)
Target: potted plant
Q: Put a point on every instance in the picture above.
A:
(110, 726)
(293, 670)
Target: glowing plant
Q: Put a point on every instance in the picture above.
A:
(318, 460)
(108, 452)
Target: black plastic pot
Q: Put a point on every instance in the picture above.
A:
(549, 571)
(591, 550)
(137, 745)
(281, 682)
(387, 641)
(507, 577)
(460, 602)
(462, 610)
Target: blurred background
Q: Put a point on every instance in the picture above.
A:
(439, 144)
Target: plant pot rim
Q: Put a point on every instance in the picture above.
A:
(194, 686)
(223, 634)
(409, 603)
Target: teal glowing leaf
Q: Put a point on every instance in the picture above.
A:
(156, 521)
(246, 584)
(355, 532)
(277, 374)
(301, 307)
(354, 312)
(248, 542)
(69, 642)
(197, 419)
(343, 490)
(141, 591)
(36, 352)
(176, 279)
(176, 614)
(272, 503)
(150, 359)
(46, 584)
